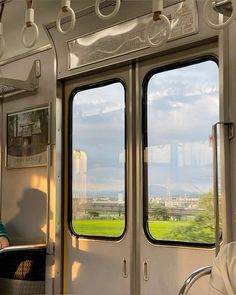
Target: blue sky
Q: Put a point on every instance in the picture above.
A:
(183, 104)
(99, 131)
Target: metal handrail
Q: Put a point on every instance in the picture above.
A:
(23, 247)
(216, 186)
(197, 274)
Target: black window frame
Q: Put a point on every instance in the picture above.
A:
(97, 84)
(148, 76)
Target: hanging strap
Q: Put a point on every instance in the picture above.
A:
(157, 8)
(2, 39)
(65, 8)
(29, 22)
(1, 11)
(29, 3)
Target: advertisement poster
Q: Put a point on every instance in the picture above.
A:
(27, 138)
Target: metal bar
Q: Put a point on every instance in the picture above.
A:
(49, 243)
(25, 85)
(23, 247)
(48, 193)
(230, 133)
(224, 7)
(218, 4)
(25, 54)
(196, 275)
(216, 188)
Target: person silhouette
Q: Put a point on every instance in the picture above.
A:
(28, 226)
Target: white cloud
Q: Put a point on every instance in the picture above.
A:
(182, 106)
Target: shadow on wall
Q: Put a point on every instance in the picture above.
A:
(29, 224)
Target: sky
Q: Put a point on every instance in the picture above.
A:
(98, 129)
(182, 105)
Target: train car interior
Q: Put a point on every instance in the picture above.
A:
(117, 140)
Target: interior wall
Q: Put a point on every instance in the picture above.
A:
(24, 190)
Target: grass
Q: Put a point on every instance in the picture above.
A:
(94, 227)
(114, 228)
(161, 229)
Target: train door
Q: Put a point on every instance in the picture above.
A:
(139, 175)
(179, 103)
(98, 166)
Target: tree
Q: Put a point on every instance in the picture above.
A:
(201, 228)
(159, 212)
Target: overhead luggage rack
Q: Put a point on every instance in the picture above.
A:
(9, 87)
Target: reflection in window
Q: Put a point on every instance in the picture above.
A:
(98, 161)
(182, 105)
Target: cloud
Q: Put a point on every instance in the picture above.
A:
(99, 130)
(182, 105)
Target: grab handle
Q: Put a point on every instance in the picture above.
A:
(29, 22)
(218, 26)
(216, 187)
(158, 16)
(65, 7)
(108, 16)
(230, 133)
(50, 247)
(196, 275)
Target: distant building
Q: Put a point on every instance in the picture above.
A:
(79, 174)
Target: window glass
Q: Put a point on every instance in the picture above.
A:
(98, 161)
(182, 105)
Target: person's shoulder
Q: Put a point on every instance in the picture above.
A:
(229, 249)
(226, 255)
(231, 245)
(230, 253)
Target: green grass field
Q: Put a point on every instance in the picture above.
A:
(94, 227)
(160, 230)
(114, 228)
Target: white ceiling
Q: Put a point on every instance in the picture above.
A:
(45, 12)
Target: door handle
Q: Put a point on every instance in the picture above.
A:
(124, 269)
(145, 271)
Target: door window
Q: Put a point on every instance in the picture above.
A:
(181, 105)
(98, 161)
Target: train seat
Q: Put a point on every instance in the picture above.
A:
(22, 270)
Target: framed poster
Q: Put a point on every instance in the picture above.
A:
(27, 138)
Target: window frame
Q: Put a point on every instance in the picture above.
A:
(88, 86)
(147, 77)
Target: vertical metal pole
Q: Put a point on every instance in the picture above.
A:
(48, 197)
(216, 188)
(49, 286)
